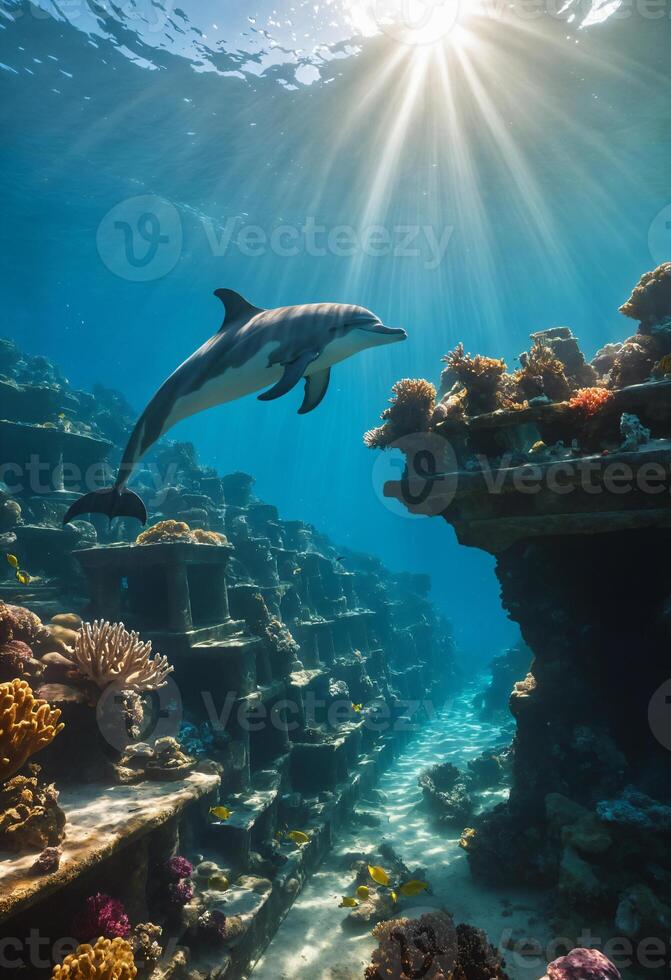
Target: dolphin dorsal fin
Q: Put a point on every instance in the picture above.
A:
(238, 310)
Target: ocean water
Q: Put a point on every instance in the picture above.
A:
(470, 170)
(470, 181)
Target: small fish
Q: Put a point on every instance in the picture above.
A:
(219, 883)
(23, 577)
(297, 571)
(348, 903)
(298, 837)
(358, 708)
(394, 897)
(13, 561)
(221, 812)
(414, 887)
(363, 891)
(378, 874)
(664, 365)
(467, 838)
(61, 415)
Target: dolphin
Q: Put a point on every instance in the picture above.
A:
(254, 349)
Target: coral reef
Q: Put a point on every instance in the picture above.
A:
(105, 960)
(445, 789)
(145, 943)
(101, 916)
(410, 412)
(650, 302)
(582, 964)
(432, 947)
(107, 653)
(480, 376)
(542, 374)
(175, 531)
(508, 668)
(30, 818)
(27, 725)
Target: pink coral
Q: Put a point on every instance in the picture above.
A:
(582, 964)
(178, 868)
(180, 893)
(101, 916)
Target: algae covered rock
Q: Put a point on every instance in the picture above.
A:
(582, 964)
(446, 791)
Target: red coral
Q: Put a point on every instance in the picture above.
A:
(590, 401)
(101, 916)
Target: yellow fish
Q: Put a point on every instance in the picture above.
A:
(363, 892)
(414, 887)
(348, 903)
(13, 561)
(378, 874)
(23, 577)
(221, 812)
(357, 707)
(298, 837)
(394, 897)
(664, 366)
(467, 838)
(219, 883)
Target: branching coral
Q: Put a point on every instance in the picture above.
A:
(411, 407)
(481, 377)
(26, 726)
(542, 373)
(106, 960)
(650, 301)
(166, 532)
(106, 653)
(590, 401)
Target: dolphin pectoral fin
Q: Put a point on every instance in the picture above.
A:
(316, 386)
(293, 372)
(238, 309)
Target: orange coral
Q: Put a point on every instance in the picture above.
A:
(590, 401)
(26, 726)
(412, 405)
(108, 959)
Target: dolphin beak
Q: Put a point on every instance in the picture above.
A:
(385, 331)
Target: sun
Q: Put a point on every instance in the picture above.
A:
(415, 23)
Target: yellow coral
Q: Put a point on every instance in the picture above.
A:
(108, 959)
(26, 726)
(412, 404)
(170, 531)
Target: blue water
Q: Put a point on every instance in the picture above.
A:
(531, 157)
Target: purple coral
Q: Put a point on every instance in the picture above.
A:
(101, 916)
(180, 893)
(582, 964)
(178, 867)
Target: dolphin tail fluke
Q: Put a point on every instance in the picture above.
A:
(112, 502)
